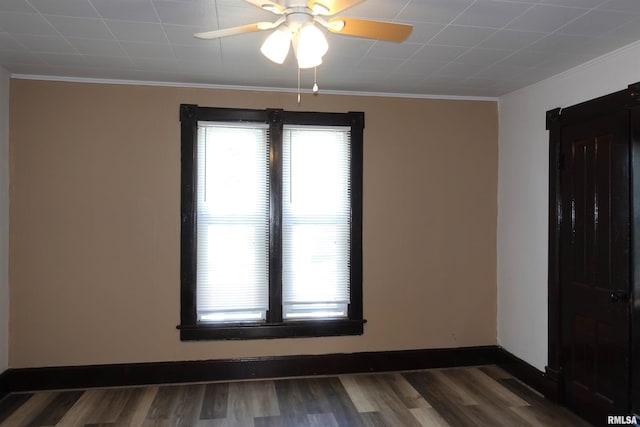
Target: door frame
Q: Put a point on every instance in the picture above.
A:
(556, 119)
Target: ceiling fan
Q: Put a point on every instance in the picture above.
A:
(296, 26)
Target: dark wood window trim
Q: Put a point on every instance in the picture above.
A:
(275, 327)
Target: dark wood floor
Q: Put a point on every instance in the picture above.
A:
(473, 396)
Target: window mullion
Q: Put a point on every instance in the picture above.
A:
(275, 216)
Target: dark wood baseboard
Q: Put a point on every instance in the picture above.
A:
(528, 374)
(32, 379)
(4, 384)
(69, 377)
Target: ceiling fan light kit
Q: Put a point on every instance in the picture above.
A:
(296, 27)
(276, 46)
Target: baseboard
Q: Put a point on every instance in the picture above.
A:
(33, 379)
(4, 384)
(526, 373)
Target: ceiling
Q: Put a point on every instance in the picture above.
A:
(477, 48)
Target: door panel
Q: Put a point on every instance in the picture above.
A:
(595, 265)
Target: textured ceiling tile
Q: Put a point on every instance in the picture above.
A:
(80, 27)
(462, 36)
(628, 32)
(376, 10)
(437, 11)
(510, 39)
(127, 10)
(574, 3)
(13, 57)
(423, 68)
(15, 6)
(423, 32)
(489, 13)
(137, 31)
(195, 12)
(147, 50)
(25, 23)
(97, 47)
(545, 18)
(439, 53)
(393, 50)
(8, 43)
(181, 34)
(524, 59)
(562, 43)
(483, 56)
(622, 5)
(78, 8)
(199, 55)
(378, 64)
(596, 22)
(60, 59)
(51, 44)
(102, 61)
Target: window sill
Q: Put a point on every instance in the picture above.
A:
(292, 329)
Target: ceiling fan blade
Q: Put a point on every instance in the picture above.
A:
(331, 6)
(388, 31)
(268, 5)
(258, 26)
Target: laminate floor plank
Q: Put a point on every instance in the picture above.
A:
(293, 398)
(282, 421)
(495, 372)
(483, 396)
(484, 388)
(441, 396)
(215, 401)
(542, 417)
(252, 399)
(322, 420)
(523, 391)
(137, 407)
(373, 419)
(493, 416)
(405, 391)
(456, 390)
(29, 410)
(356, 393)
(379, 390)
(162, 406)
(109, 407)
(56, 409)
(429, 417)
(86, 408)
(333, 398)
(188, 405)
(11, 403)
(300, 397)
(176, 406)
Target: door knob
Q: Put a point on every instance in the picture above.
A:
(616, 296)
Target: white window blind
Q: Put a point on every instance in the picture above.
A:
(316, 221)
(232, 209)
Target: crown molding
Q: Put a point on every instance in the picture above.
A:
(245, 88)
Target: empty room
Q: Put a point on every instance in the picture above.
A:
(323, 213)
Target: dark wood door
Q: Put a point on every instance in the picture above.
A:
(595, 264)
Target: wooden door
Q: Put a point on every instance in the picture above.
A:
(595, 272)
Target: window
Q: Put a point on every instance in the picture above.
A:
(271, 224)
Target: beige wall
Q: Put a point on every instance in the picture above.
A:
(4, 219)
(95, 224)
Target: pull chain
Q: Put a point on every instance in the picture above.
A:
(298, 86)
(315, 80)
